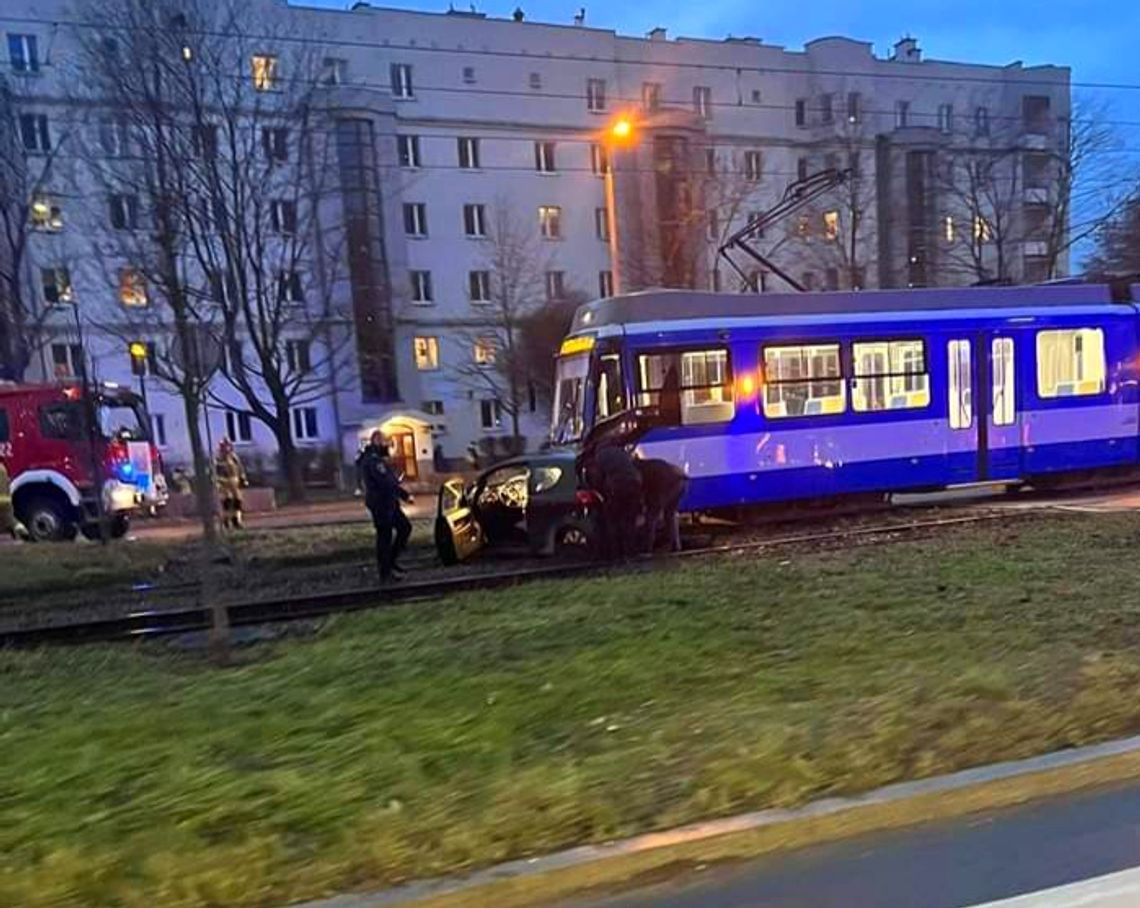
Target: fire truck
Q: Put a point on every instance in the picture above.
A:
(76, 456)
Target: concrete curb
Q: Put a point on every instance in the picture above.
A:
(542, 880)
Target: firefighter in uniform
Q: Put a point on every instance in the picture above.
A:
(383, 496)
(7, 516)
(229, 476)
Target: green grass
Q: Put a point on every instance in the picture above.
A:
(432, 738)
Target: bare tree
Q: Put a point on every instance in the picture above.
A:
(1118, 243)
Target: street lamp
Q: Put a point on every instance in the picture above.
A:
(139, 357)
(621, 133)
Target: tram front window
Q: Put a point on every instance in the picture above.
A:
(569, 398)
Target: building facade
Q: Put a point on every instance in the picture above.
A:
(470, 168)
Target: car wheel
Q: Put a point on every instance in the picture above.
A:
(49, 520)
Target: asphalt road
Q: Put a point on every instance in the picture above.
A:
(972, 861)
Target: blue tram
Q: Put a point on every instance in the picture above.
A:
(766, 398)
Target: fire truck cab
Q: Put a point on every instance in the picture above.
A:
(65, 450)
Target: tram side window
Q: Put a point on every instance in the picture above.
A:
(610, 396)
(890, 375)
(803, 380)
(691, 387)
(1070, 362)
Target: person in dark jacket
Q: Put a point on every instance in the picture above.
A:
(663, 485)
(611, 472)
(383, 496)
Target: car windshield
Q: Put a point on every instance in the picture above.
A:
(569, 398)
(122, 419)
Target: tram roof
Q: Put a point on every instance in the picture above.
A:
(677, 305)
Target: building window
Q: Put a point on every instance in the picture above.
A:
(421, 286)
(599, 159)
(753, 166)
(602, 224)
(982, 121)
(415, 219)
(801, 112)
(691, 387)
(468, 75)
(283, 216)
(305, 424)
(479, 286)
(205, 139)
(826, 112)
(1035, 113)
(475, 220)
(275, 143)
(408, 148)
(606, 283)
(298, 356)
(550, 222)
(483, 351)
(34, 132)
(433, 407)
(23, 53)
(544, 157)
(651, 95)
(402, 80)
(158, 429)
(889, 375)
(490, 414)
(290, 287)
(132, 287)
(902, 113)
(468, 153)
(333, 71)
(1070, 362)
(536, 81)
(959, 388)
(831, 225)
(945, 118)
(56, 284)
(757, 97)
(596, 95)
(426, 352)
(1003, 368)
(124, 212)
(263, 68)
(702, 101)
(853, 107)
(555, 285)
(66, 360)
(801, 168)
(239, 427)
(983, 230)
(803, 381)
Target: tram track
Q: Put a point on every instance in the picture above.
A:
(158, 623)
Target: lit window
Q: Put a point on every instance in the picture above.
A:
(651, 95)
(1003, 368)
(143, 357)
(602, 224)
(550, 221)
(948, 231)
(426, 351)
(34, 132)
(402, 81)
(298, 356)
(753, 166)
(421, 286)
(475, 220)
(479, 286)
(689, 388)
(803, 381)
(831, 225)
(415, 219)
(1070, 362)
(305, 424)
(132, 287)
(555, 285)
(484, 351)
(983, 231)
(468, 153)
(596, 95)
(409, 150)
(889, 375)
(283, 215)
(702, 101)
(56, 284)
(544, 157)
(239, 427)
(23, 53)
(46, 214)
(264, 70)
(960, 385)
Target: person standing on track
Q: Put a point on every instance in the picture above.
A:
(383, 496)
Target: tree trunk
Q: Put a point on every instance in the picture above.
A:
(288, 457)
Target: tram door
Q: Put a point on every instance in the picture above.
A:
(984, 420)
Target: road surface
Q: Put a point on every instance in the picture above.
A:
(1078, 850)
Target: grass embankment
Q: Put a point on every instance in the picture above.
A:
(417, 741)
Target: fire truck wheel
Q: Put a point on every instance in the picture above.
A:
(48, 520)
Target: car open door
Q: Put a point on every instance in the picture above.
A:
(458, 534)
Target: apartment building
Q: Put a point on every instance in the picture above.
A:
(471, 153)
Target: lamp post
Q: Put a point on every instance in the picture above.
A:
(619, 134)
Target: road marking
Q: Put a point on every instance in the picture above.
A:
(1115, 890)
